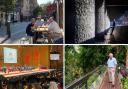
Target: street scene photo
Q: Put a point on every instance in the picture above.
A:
(96, 67)
(31, 22)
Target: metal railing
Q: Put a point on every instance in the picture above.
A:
(82, 80)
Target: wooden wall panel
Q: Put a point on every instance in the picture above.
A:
(42, 59)
(58, 64)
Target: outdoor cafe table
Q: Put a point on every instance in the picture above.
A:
(40, 32)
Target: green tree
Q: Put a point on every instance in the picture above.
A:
(37, 11)
(44, 8)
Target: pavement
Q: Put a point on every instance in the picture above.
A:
(3, 34)
(18, 31)
(106, 85)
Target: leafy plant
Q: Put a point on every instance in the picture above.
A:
(125, 83)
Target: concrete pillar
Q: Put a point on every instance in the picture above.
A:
(108, 37)
(100, 21)
(80, 21)
(107, 20)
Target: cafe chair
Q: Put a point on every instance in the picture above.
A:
(26, 40)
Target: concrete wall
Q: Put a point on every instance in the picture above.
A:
(80, 20)
(100, 16)
(106, 20)
(121, 34)
(116, 11)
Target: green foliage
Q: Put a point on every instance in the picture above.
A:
(41, 10)
(44, 8)
(7, 5)
(71, 57)
(94, 56)
(83, 59)
(92, 79)
(125, 83)
(94, 76)
(37, 11)
(120, 54)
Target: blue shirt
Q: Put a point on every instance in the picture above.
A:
(39, 23)
(112, 62)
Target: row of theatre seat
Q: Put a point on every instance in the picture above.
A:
(36, 81)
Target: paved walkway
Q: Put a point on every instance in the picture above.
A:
(3, 33)
(106, 85)
(18, 30)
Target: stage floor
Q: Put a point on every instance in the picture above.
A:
(23, 73)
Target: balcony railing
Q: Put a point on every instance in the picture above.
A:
(82, 82)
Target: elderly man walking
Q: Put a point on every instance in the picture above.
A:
(112, 63)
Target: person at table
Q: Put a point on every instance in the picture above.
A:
(39, 21)
(30, 28)
(53, 30)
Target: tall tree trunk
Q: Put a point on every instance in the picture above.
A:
(80, 21)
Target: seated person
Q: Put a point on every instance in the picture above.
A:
(53, 30)
(53, 84)
(39, 21)
(30, 27)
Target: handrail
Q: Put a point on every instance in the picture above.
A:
(81, 80)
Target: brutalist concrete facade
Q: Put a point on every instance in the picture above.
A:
(87, 20)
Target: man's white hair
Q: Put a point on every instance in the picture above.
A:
(111, 54)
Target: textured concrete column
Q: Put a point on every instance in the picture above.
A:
(100, 21)
(80, 20)
(107, 20)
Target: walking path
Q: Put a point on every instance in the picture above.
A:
(106, 85)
